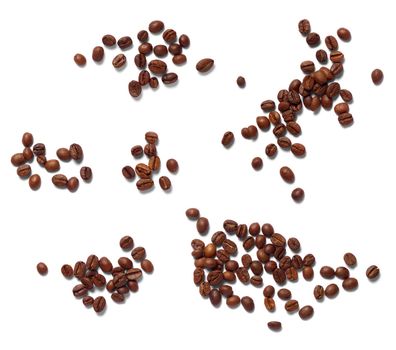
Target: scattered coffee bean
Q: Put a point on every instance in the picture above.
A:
(172, 165)
(99, 304)
(284, 294)
(42, 268)
(39, 149)
(169, 36)
(134, 88)
(140, 60)
(105, 264)
(350, 259)
(165, 183)
(306, 312)
(233, 301)
(41, 160)
(139, 253)
(321, 56)
(179, 59)
(257, 163)
(291, 306)
(327, 272)
(377, 76)
(18, 159)
(169, 78)
(67, 271)
(27, 139)
(263, 123)
(342, 272)
(350, 284)
(202, 225)
(28, 154)
(287, 174)
(346, 95)
(109, 40)
(184, 41)
(175, 49)
(76, 152)
(228, 139)
(192, 213)
(332, 290)
(372, 272)
(331, 43)
(304, 27)
(80, 291)
(268, 105)
(128, 172)
(60, 181)
(274, 325)
(241, 82)
(35, 182)
(125, 42)
(319, 292)
(52, 165)
(72, 184)
(307, 67)
(247, 303)
(147, 266)
(144, 77)
(86, 173)
(298, 194)
(157, 67)
(63, 154)
(215, 297)
(156, 27)
(271, 150)
(80, 59)
(308, 273)
(24, 171)
(344, 34)
(204, 65)
(313, 39)
(145, 48)
(97, 53)
(119, 61)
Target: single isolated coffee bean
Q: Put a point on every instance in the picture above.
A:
(377, 76)
(304, 27)
(80, 59)
(274, 326)
(247, 303)
(169, 78)
(147, 266)
(97, 53)
(298, 194)
(109, 40)
(344, 34)
(192, 213)
(125, 42)
(86, 173)
(268, 105)
(72, 184)
(63, 154)
(67, 271)
(350, 284)
(138, 254)
(308, 273)
(271, 150)
(119, 61)
(284, 294)
(350, 259)
(165, 183)
(291, 306)
(99, 304)
(128, 172)
(126, 243)
(143, 36)
(60, 180)
(134, 88)
(179, 59)
(76, 152)
(34, 182)
(184, 41)
(287, 174)
(24, 171)
(202, 225)
(319, 292)
(269, 304)
(257, 163)
(313, 39)
(346, 95)
(156, 27)
(204, 65)
(372, 272)
(321, 56)
(332, 290)
(42, 268)
(306, 312)
(27, 139)
(241, 82)
(228, 139)
(137, 151)
(172, 165)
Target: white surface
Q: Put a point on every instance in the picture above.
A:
(347, 174)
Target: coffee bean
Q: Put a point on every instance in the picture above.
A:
(321, 56)
(138, 253)
(241, 82)
(153, 82)
(345, 119)
(76, 152)
(287, 174)
(346, 95)
(228, 139)
(169, 36)
(230, 226)
(60, 181)
(73, 184)
(309, 260)
(307, 67)
(252, 132)
(342, 272)
(24, 171)
(67, 271)
(268, 105)
(117, 297)
(169, 78)
(284, 294)
(18, 159)
(233, 301)
(41, 160)
(143, 171)
(204, 65)
(179, 59)
(27, 139)
(147, 266)
(108, 40)
(86, 173)
(337, 57)
(126, 243)
(157, 67)
(372, 272)
(256, 267)
(133, 286)
(284, 142)
(175, 49)
(144, 77)
(125, 42)
(319, 292)
(79, 269)
(210, 250)
(105, 264)
(34, 182)
(313, 39)
(344, 34)
(350, 284)
(270, 266)
(80, 291)
(231, 265)
(263, 123)
(298, 194)
(150, 150)
(294, 128)
(308, 273)
(246, 260)
(172, 165)
(42, 268)
(291, 306)
(145, 48)
(336, 69)
(199, 275)
(215, 277)
(142, 36)
(202, 225)
(279, 130)
(99, 304)
(63, 154)
(278, 240)
(156, 27)
(134, 274)
(269, 291)
(97, 53)
(128, 172)
(229, 246)
(247, 303)
(377, 76)
(80, 59)
(274, 326)
(88, 301)
(52, 165)
(304, 27)
(331, 43)
(119, 61)
(154, 163)
(274, 117)
(215, 297)
(327, 272)
(332, 290)
(279, 276)
(125, 263)
(184, 41)
(306, 312)
(204, 289)
(257, 163)
(269, 304)
(271, 150)
(326, 102)
(350, 259)
(87, 283)
(192, 213)
(39, 149)
(140, 60)
(28, 154)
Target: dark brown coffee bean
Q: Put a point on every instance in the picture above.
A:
(274, 326)
(308, 273)
(144, 77)
(263, 123)
(125, 42)
(154, 163)
(99, 304)
(175, 49)
(332, 290)
(80, 291)
(298, 194)
(88, 301)
(284, 294)
(319, 292)
(321, 56)
(134, 274)
(345, 119)
(202, 225)
(233, 301)
(279, 276)
(307, 67)
(241, 82)
(145, 48)
(184, 41)
(143, 171)
(256, 267)
(246, 260)
(294, 128)
(248, 243)
(231, 265)
(268, 105)
(350, 284)
(270, 266)
(34, 182)
(28, 154)
(284, 142)
(269, 304)
(192, 213)
(80, 59)
(331, 43)
(119, 61)
(133, 286)
(60, 181)
(179, 59)
(76, 152)
(291, 306)
(140, 60)
(215, 297)
(278, 240)
(337, 57)
(79, 269)
(256, 281)
(52, 165)
(110, 286)
(157, 67)
(169, 78)
(342, 272)
(128, 172)
(87, 283)
(291, 274)
(210, 250)
(150, 150)
(257, 163)
(267, 230)
(24, 171)
(105, 264)
(117, 297)
(125, 263)
(156, 27)
(108, 40)
(199, 275)
(229, 276)
(204, 289)
(269, 291)
(169, 36)
(228, 139)
(252, 132)
(344, 34)
(279, 130)
(42, 268)
(147, 266)
(313, 39)
(27, 139)
(204, 65)
(287, 174)
(327, 272)
(138, 253)
(172, 165)
(271, 150)
(274, 117)
(377, 76)
(226, 290)
(346, 95)
(215, 277)
(92, 262)
(294, 244)
(309, 260)
(243, 274)
(218, 238)
(63, 154)
(38, 149)
(229, 246)
(336, 69)
(97, 53)
(153, 82)
(372, 272)
(67, 271)
(230, 226)
(86, 173)
(41, 160)
(304, 27)
(247, 303)
(306, 312)
(350, 259)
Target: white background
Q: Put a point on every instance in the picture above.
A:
(348, 174)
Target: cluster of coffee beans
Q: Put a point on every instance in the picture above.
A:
(24, 170)
(125, 277)
(173, 45)
(145, 171)
(216, 266)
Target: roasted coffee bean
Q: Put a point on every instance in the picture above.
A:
(144, 77)
(42, 268)
(192, 214)
(326, 102)
(333, 90)
(291, 305)
(143, 171)
(350, 284)
(229, 246)
(226, 290)
(137, 151)
(41, 160)
(215, 297)
(270, 266)
(210, 250)
(271, 150)
(297, 262)
(133, 286)
(372, 272)
(105, 264)
(344, 34)
(269, 291)
(247, 303)
(157, 67)
(267, 230)
(313, 39)
(52, 165)
(138, 253)
(199, 275)
(308, 273)
(197, 243)
(241, 82)
(307, 67)
(197, 253)
(287, 174)
(110, 286)
(147, 266)
(257, 163)
(298, 194)
(231, 265)
(230, 226)
(246, 260)
(294, 244)
(92, 262)
(263, 123)
(60, 181)
(215, 277)
(67, 271)
(118, 270)
(233, 301)
(291, 274)
(248, 243)
(332, 290)
(39, 149)
(377, 76)
(269, 304)
(184, 41)
(278, 240)
(125, 263)
(260, 241)
(204, 65)
(294, 128)
(27, 139)
(97, 53)
(76, 152)
(80, 59)
(87, 283)
(79, 269)
(156, 27)
(263, 256)
(204, 289)
(256, 281)
(252, 132)
(172, 165)
(179, 59)
(279, 276)
(169, 36)
(337, 57)
(350, 259)
(284, 142)
(63, 154)
(336, 69)
(331, 43)
(342, 272)
(321, 56)
(153, 82)
(304, 27)
(99, 304)
(34, 182)
(243, 274)
(254, 229)
(345, 119)
(128, 172)
(283, 95)
(117, 297)
(274, 326)
(202, 225)
(80, 291)
(229, 276)
(279, 130)
(88, 301)
(268, 105)
(28, 154)
(327, 272)
(279, 253)
(274, 117)
(24, 171)
(119, 61)
(86, 173)
(175, 49)
(284, 294)
(319, 292)
(169, 78)
(228, 139)
(306, 312)
(150, 150)
(145, 48)
(108, 40)
(256, 267)
(218, 238)
(134, 274)
(346, 95)
(140, 60)
(154, 163)
(125, 42)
